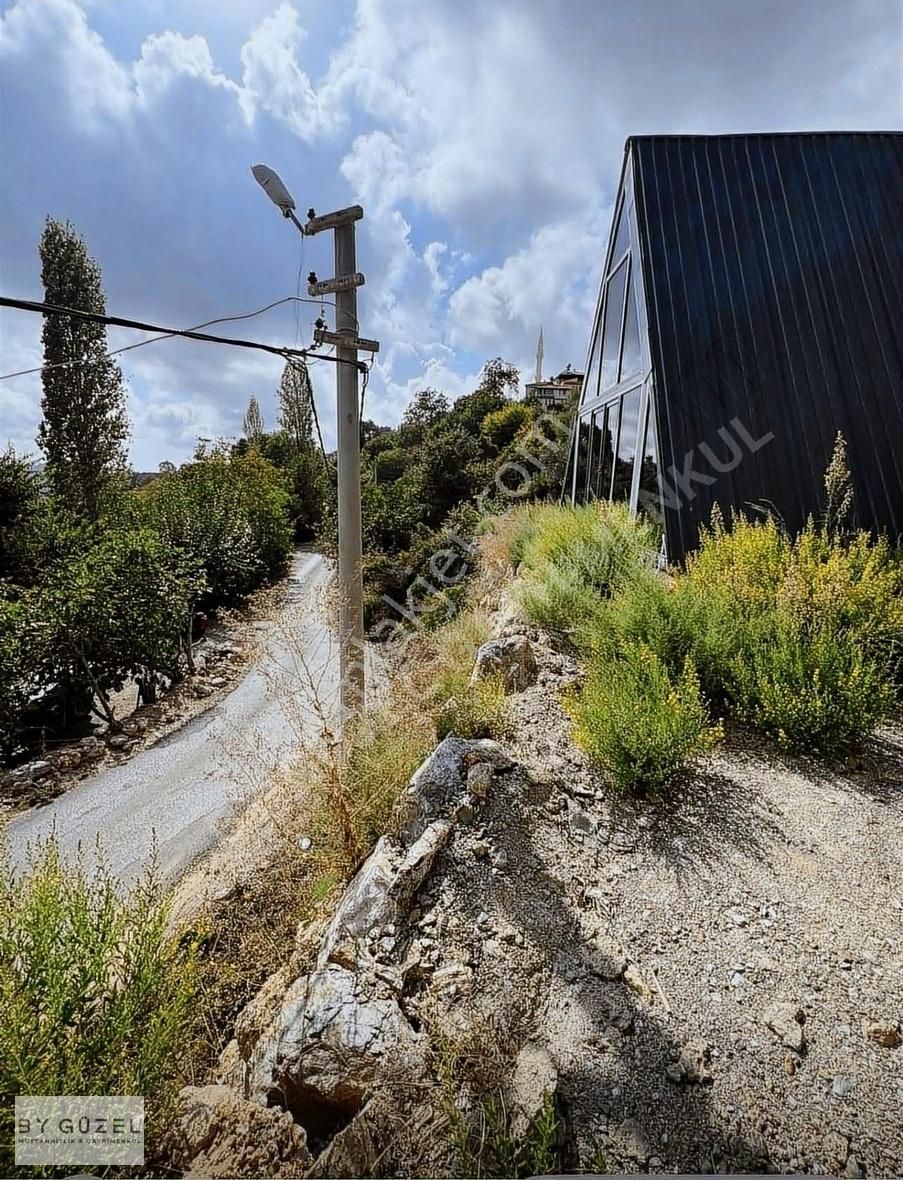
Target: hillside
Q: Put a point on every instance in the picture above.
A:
(535, 972)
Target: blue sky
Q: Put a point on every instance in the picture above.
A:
(484, 140)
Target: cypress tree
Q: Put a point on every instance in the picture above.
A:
(84, 427)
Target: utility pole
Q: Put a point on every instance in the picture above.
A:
(351, 606)
(347, 342)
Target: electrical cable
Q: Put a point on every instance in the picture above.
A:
(185, 333)
(167, 335)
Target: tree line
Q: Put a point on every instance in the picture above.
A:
(100, 580)
(102, 572)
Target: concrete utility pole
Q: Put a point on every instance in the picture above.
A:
(351, 556)
(347, 342)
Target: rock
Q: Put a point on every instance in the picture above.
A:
(435, 783)
(223, 1135)
(853, 1168)
(534, 1077)
(481, 850)
(631, 1139)
(841, 1086)
(604, 958)
(365, 903)
(785, 1021)
(500, 859)
(463, 813)
(637, 983)
(218, 681)
(694, 1064)
(200, 663)
(68, 759)
(92, 748)
(118, 741)
(579, 820)
(510, 659)
(260, 1011)
(417, 863)
(36, 770)
(882, 1032)
(487, 750)
(836, 1148)
(479, 780)
(326, 1043)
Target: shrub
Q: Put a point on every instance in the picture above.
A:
(812, 688)
(96, 999)
(230, 513)
(457, 706)
(639, 724)
(570, 558)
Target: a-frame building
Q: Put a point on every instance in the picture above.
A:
(751, 307)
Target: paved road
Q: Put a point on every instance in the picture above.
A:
(180, 790)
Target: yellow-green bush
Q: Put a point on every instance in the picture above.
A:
(96, 998)
(636, 722)
(814, 688)
(571, 558)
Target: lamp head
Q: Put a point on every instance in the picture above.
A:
(272, 185)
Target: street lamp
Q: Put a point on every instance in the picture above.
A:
(347, 342)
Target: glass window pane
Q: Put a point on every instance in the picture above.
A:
(630, 349)
(592, 475)
(611, 333)
(627, 440)
(591, 383)
(614, 418)
(621, 238)
(605, 455)
(582, 455)
(649, 496)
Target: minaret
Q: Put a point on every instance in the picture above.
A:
(539, 357)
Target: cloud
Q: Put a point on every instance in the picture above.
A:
(273, 81)
(484, 142)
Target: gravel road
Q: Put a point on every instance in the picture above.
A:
(178, 792)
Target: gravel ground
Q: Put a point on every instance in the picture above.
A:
(763, 890)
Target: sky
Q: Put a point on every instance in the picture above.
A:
(484, 139)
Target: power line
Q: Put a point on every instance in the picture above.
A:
(166, 336)
(186, 333)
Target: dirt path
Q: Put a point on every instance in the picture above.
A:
(177, 792)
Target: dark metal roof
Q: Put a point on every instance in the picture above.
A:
(773, 267)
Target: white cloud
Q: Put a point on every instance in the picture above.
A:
(484, 141)
(273, 81)
(431, 257)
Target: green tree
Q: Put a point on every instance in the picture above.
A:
(295, 396)
(500, 427)
(253, 421)
(84, 427)
(498, 382)
(121, 609)
(424, 412)
(230, 512)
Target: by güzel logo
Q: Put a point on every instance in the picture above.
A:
(79, 1129)
(84, 1125)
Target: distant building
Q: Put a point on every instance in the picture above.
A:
(749, 310)
(553, 394)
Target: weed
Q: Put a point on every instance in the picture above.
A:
(488, 1135)
(814, 689)
(96, 998)
(637, 723)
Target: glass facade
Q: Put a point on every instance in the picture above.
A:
(649, 499)
(611, 331)
(611, 435)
